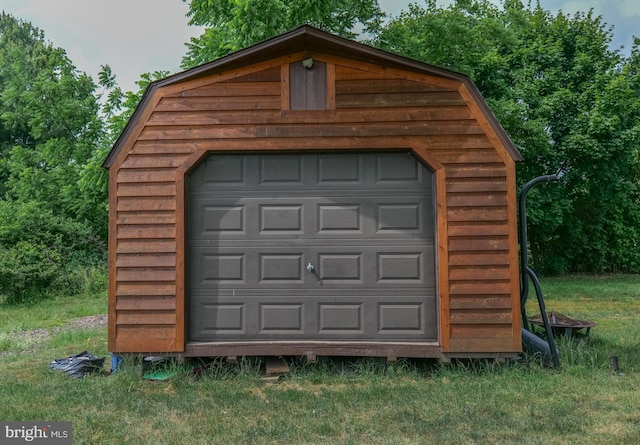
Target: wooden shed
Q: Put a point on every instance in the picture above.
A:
(310, 195)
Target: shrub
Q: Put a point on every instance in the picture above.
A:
(40, 253)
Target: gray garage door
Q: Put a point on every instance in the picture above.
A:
(311, 247)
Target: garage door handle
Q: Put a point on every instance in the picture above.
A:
(310, 267)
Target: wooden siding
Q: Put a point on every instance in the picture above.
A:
(369, 107)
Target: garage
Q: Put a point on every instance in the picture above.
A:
(311, 195)
(311, 246)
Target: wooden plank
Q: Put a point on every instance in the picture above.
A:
(136, 289)
(146, 217)
(347, 73)
(485, 346)
(443, 253)
(475, 185)
(417, 128)
(135, 203)
(479, 273)
(146, 175)
(146, 246)
(304, 348)
(285, 89)
(146, 260)
(146, 317)
(147, 274)
(149, 331)
(111, 260)
(331, 86)
(480, 288)
(474, 244)
(227, 89)
(482, 302)
(471, 157)
(478, 258)
(267, 75)
(146, 231)
(241, 117)
(478, 229)
(181, 241)
(163, 147)
(147, 189)
(513, 253)
(494, 316)
(221, 103)
(149, 339)
(434, 142)
(156, 160)
(485, 331)
(388, 86)
(487, 170)
(479, 214)
(146, 303)
(276, 365)
(477, 199)
(352, 69)
(398, 99)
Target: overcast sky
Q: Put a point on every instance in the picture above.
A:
(138, 36)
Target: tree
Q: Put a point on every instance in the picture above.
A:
(235, 24)
(49, 129)
(49, 125)
(567, 101)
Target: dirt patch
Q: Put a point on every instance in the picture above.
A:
(29, 339)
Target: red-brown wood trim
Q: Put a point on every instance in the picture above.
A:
(112, 257)
(306, 348)
(506, 153)
(293, 144)
(285, 98)
(514, 267)
(331, 87)
(180, 262)
(181, 172)
(442, 256)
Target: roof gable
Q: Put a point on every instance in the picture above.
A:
(308, 38)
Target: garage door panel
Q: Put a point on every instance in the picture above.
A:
(223, 267)
(399, 169)
(334, 267)
(341, 319)
(363, 222)
(340, 169)
(285, 269)
(343, 218)
(278, 171)
(312, 218)
(264, 317)
(326, 172)
(280, 218)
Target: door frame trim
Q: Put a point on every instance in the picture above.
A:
(414, 145)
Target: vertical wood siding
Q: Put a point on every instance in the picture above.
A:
(374, 108)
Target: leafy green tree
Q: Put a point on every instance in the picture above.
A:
(235, 24)
(49, 129)
(49, 125)
(566, 100)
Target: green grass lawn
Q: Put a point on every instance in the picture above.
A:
(342, 401)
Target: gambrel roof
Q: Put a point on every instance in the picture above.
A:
(308, 38)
